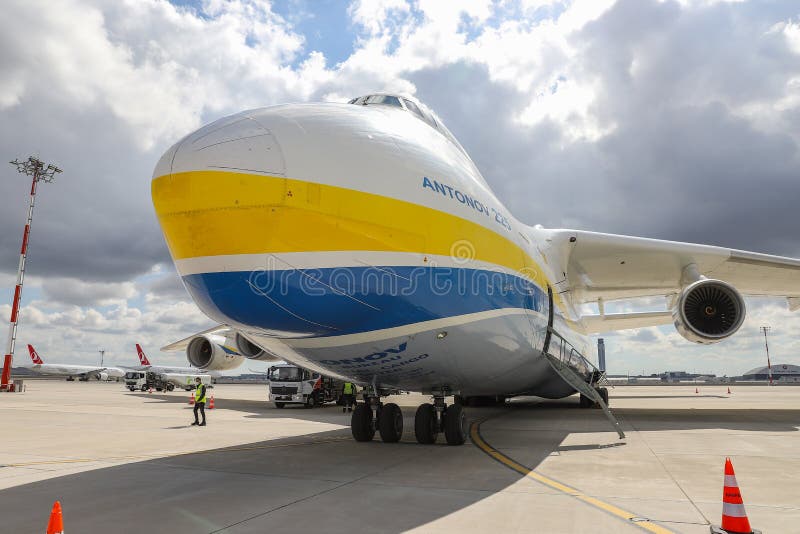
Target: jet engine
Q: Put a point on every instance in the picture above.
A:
(102, 376)
(250, 350)
(708, 311)
(211, 353)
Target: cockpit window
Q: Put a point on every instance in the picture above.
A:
(386, 100)
(412, 107)
(420, 111)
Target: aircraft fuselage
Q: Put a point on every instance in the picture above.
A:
(361, 242)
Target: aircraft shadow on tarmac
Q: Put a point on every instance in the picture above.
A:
(326, 481)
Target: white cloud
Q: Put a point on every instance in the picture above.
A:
(81, 293)
(374, 15)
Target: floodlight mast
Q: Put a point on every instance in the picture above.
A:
(766, 329)
(39, 172)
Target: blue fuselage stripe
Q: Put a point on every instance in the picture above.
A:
(347, 300)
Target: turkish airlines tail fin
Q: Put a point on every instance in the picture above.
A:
(34, 355)
(142, 358)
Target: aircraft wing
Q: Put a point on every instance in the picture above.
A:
(602, 267)
(219, 330)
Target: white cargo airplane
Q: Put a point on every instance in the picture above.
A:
(174, 373)
(83, 372)
(360, 240)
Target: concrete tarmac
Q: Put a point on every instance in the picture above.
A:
(129, 462)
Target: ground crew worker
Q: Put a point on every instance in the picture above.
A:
(199, 402)
(349, 396)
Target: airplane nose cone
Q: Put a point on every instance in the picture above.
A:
(238, 142)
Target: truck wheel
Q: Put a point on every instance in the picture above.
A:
(390, 423)
(279, 405)
(455, 425)
(361, 423)
(170, 387)
(131, 388)
(144, 387)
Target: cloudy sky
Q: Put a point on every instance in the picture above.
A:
(668, 119)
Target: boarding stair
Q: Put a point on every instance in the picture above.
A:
(574, 369)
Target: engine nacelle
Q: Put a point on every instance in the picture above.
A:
(210, 353)
(103, 376)
(251, 351)
(708, 311)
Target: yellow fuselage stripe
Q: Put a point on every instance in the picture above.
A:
(213, 213)
(478, 440)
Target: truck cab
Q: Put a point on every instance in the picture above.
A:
(136, 380)
(289, 384)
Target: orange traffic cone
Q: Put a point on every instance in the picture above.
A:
(56, 523)
(729, 391)
(734, 516)
(696, 390)
(191, 399)
(211, 403)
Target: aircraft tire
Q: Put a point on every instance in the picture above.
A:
(455, 425)
(390, 423)
(361, 423)
(425, 424)
(170, 387)
(279, 405)
(604, 393)
(586, 402)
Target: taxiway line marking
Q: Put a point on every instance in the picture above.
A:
(477, 439)
(173, 455)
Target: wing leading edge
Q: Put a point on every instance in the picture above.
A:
(599, 267)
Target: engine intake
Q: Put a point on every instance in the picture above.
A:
(708, 311)
(250, 350)
(206, 353)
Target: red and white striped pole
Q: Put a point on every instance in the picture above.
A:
(36, 169)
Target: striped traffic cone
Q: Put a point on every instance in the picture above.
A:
(211, 403)
(734, 516)
(56, 523)
(191, 399)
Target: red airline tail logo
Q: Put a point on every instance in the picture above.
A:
(142, 358)
(34, 356)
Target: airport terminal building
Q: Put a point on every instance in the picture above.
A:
(782, 372)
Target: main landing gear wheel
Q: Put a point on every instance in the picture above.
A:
(390, 423)
(455, 425)
(425, 425)
(586, 402)
(362, 424)
(604, 394)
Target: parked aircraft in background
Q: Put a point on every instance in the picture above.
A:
(174, 373)
(82, 372)
(360, 241)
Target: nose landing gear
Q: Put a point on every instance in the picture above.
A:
(438, 417)
(372, 416)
